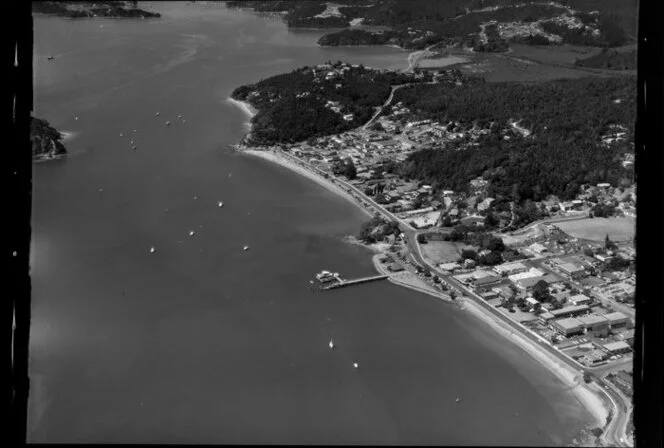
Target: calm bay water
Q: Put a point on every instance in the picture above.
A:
(202, 342)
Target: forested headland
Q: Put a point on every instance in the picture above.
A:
(317, 101)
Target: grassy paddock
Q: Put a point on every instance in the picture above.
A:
(595, 229)
(443, 251)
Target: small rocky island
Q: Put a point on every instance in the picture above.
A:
(45, 140)
(73, 10)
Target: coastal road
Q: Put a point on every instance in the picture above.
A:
(346, 186)
(615, 433)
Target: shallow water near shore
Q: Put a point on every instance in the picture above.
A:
(202, 342)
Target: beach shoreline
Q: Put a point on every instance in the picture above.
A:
(565, 374)
(287, 163)
(568, 376)
(249, 110)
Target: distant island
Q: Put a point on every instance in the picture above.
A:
(45, 140)
(74, 10)
(475, 24)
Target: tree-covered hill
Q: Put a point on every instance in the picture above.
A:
(313, 101)
(567, 118)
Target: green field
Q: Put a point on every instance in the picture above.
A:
(596, 229)
(443, 251)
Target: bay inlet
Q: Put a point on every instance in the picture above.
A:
(202, 342)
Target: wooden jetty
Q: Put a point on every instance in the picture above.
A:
(341, 283)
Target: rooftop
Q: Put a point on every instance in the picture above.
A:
(593, 319)
(618, 345)
(616, 315)
(569, 309)
(569, 324)
(580, 298)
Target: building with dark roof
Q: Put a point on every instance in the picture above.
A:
(570, 311)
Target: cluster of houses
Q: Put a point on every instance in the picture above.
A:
(580, 314)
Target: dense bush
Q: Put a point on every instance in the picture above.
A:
(567, 118)
(292, 106)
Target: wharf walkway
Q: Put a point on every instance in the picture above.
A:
(355, 281)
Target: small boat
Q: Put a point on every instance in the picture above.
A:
(179, 116)
(168, 123)
(195, 197)
(134, 148)
(157, 114)
(101, 189)
(152, 250)
(134, 130)
(356, 365)
(245, 247)
(131, 142)
(220, 204)
(50, 58)
(191, 233)
(121, 134)
(458, 400)
(331, 344)
(311, 281)
(76, 118)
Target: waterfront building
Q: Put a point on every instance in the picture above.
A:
(568, 327)
(486, 283)
(597, 325)
(546, 317)
(570, 311)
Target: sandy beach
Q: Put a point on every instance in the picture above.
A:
(247, 108)
(562, 371)
(287, 163)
